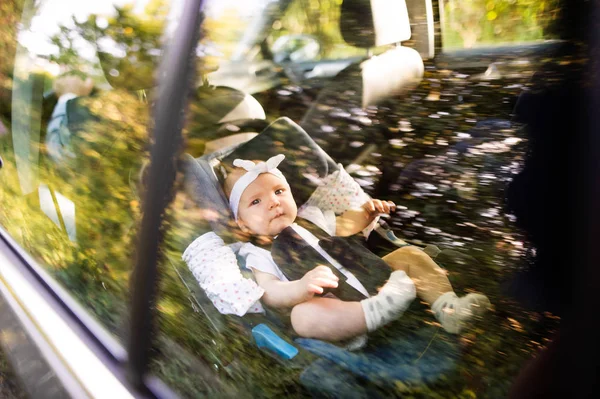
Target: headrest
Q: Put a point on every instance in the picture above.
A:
(212, 107)
(390, 74)
(372, 23)
(304, 165)
(219, 104)
(225, 104)
(376, 79)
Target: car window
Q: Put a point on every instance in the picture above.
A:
(10, 387)
(287, 43)
(76, 96)
(481, 23)
(445, 150)
(286, 25)
(319, 20)
(449, 148)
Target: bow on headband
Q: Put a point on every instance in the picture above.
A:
(253, 170)
(261, 167)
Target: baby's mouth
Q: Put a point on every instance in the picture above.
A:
(277, 216)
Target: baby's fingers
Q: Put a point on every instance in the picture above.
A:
(323, 271)
(392, 205)
(314, 289)
(386, 206)
(325, 282)
(369, 206)
(382, 206)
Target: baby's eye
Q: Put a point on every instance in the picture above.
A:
(255, 202)
(279, 191)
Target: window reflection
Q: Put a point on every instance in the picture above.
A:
(82, 86)
(490, 23)
(444, 150)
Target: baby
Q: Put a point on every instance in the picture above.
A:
(263, 206)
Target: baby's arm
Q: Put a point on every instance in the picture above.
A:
(286, 294)
(354, 221)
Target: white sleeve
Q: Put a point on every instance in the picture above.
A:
(261, 260)
(215, 268)
(338, 193)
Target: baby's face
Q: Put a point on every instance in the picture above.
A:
(267, 206)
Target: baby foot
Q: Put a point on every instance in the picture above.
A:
(455, 313)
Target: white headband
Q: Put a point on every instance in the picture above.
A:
(253, 171)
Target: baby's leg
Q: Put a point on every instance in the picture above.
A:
(328, 319)
(335, 320)
(433, 287)
(430, 279)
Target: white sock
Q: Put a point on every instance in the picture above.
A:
(393, 299)
(455, 313)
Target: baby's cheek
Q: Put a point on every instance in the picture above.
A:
(258, 223)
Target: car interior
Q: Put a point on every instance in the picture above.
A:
(486, 150)
(388, 76)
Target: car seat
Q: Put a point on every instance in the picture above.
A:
(420, 355)
(220, 116)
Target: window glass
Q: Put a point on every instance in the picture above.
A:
(319, 20)
(9, 384)
(251, 53)
(477, 23)
(445, 151)
(77, 86)
(225, 27)
(233, 30)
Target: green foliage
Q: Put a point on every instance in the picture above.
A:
(95, 267)
(319, 18)
(470, 23)
(10, 14)
(128, 44)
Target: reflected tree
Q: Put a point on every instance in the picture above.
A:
(501, 21)
(128, 44)
(10, 15)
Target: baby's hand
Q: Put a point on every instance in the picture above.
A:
(318, 278)
(375, 207)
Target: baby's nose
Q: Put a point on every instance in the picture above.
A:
(274, 202)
